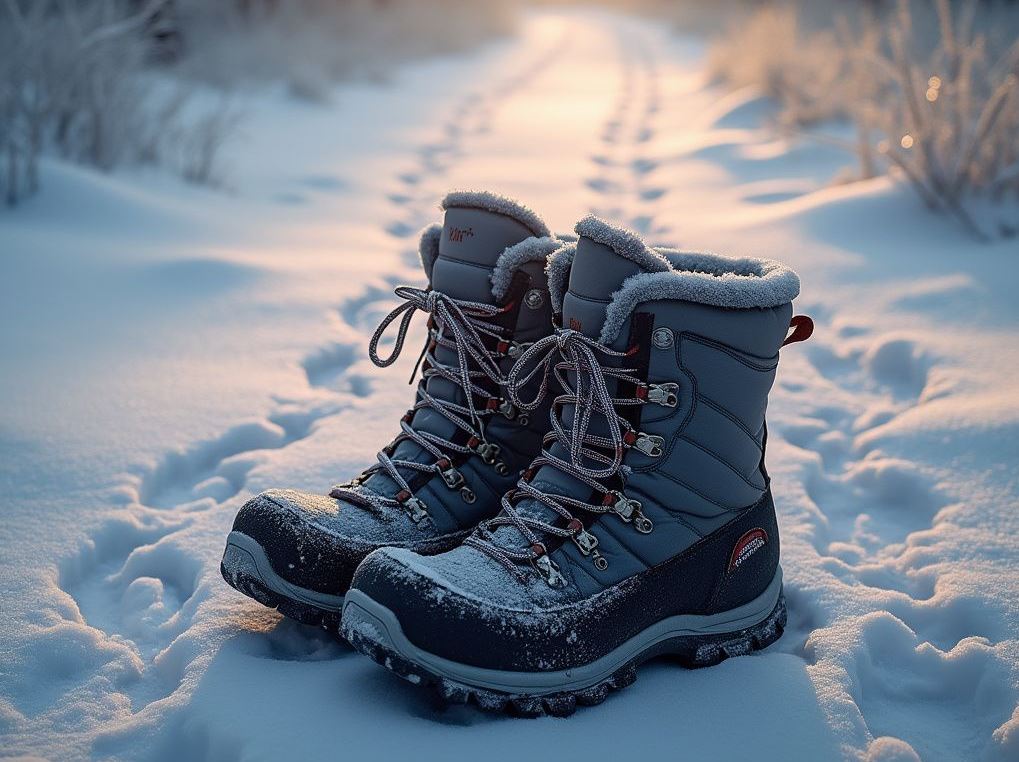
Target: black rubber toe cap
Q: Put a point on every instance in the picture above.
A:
(289, 526)
(437, 617)
(459, 627)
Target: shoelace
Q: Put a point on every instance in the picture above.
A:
(458, 325)
(592, 458)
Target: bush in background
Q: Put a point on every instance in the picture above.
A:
(939, 102)
(310, 44)
(113, 82)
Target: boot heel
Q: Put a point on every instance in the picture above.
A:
(707, 650)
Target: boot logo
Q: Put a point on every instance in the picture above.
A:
(746, 546)
(459, 235)
(575, 324)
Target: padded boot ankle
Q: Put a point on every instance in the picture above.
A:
(646, 526)
(457, 451)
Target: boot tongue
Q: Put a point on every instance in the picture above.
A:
(605, 257)
(472, 241)
(477, 229)
(598, 271)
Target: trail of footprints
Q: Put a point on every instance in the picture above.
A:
(868, 504)
(134, 578)
(622, 166)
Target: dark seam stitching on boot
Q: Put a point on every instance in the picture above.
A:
(745, 358)
(686, 486)
(725, 412)
(721, 460)
(642, 493)
(475, 265)
(592, 299)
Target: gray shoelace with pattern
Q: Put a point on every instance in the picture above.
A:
(457, 325)
(592, 458)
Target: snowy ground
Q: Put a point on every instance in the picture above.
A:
(168, 351)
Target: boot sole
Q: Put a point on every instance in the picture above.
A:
(695, 641)
(246, 568)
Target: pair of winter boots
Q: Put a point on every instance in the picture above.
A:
(579, 485)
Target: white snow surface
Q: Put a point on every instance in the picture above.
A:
(169, 351)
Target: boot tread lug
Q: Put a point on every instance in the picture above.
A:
(254, 588)
(691, 654)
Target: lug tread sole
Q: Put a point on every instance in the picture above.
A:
(692, 652)
(243, 576)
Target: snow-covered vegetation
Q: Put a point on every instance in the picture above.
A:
(113, 82)
(309, 44)
(931, 88)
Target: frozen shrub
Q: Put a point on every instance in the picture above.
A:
(770, 50)
(309, 44)
(952, 126)
(71, 82)
(78, 77)
(936, 102)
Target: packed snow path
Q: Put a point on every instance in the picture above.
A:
(168, 352)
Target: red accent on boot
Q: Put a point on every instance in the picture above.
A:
(802, 327)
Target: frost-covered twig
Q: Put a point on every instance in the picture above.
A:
(941, 103)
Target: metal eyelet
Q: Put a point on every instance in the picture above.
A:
(416, 509)
(534, 299)
(587, 543)
(507, 409)
(468, 495)
(549, 571)
(629, 510)
(665, 395)
(649, 444)
(488, 452)
(453, 478)
(517, 348)
(502, 469)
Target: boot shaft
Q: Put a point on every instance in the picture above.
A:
(702, 333)
(491, 251)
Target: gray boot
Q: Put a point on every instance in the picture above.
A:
(646, 526)
(456, 453)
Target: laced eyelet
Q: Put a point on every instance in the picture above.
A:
(628, 510)
(649, 444)
(665, 395)
(547, 568)
(587, 544)
(414, 506)
(453, 478)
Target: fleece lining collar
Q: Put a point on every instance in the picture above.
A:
(493, 202)
(674, 275)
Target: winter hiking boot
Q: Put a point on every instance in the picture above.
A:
(456, 453)
(646, 525)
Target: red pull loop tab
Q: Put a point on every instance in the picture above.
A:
(802, 327)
